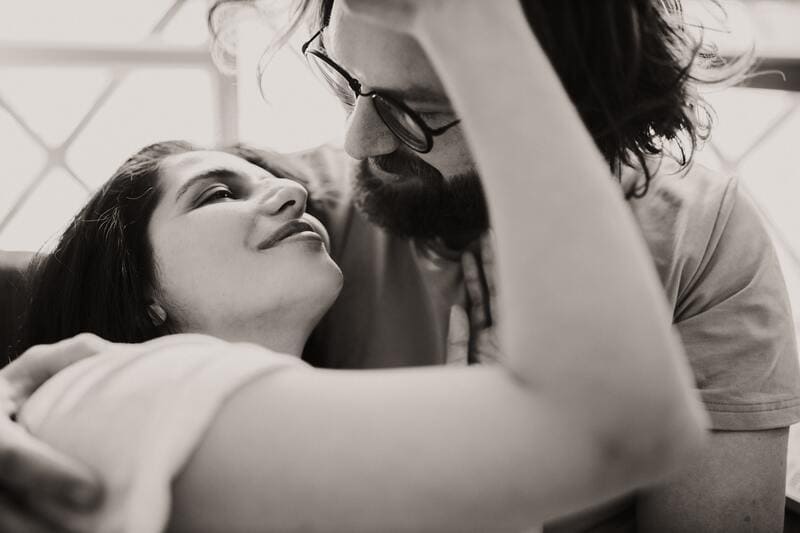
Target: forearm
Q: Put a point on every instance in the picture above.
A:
(593, 278)
(737, 484)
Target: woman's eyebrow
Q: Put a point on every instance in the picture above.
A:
(224, 174)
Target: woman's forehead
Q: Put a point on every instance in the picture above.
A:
(179, 168)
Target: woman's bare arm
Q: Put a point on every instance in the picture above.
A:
(562, 228)
(595, 399)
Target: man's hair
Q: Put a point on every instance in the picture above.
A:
(102, 277)
(631, 68)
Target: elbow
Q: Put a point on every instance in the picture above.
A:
(653, 442)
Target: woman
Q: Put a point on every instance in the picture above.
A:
(247, 439)
(120, 273)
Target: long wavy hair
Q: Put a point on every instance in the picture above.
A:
(102, 275)
(631, 68)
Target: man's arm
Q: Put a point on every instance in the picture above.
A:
(737, 484)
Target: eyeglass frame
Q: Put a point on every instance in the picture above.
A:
(356, 87)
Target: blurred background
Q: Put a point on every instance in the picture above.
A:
(85, 83)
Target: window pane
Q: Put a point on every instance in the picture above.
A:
(22, 160)
(150, 105)
(295, 111)
(769, 24)
(45, 215)
(776, 23)
(769, 170)
(89, 21)
(52, 100)
(772, 173)
(743, 115)
(188, 26)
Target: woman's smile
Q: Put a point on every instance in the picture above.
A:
(293, 230)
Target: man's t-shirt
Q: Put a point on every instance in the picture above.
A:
(712, 253)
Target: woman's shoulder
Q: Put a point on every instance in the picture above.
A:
(137, 412)
(148, 370)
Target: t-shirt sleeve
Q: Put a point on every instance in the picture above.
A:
(136, 414)
(731, 305)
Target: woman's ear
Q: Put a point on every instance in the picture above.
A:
(157, 314)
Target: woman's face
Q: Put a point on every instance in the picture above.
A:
(236, 254)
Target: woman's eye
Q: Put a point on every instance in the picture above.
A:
(215, 195)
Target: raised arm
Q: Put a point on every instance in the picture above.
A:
(563, 231)
(595, 398)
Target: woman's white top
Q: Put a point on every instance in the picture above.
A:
(136, 414)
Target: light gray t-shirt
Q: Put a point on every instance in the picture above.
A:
(717, 264)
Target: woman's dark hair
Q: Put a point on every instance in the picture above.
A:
(101, 277)
(631, 68)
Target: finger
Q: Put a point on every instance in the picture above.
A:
(490, 272)
(457, 337)
(487, 247)
(32, 469)
(487, 259)
(40, 363)
(486, 347)
(474, 286)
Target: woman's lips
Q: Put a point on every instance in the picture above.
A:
(299, 229)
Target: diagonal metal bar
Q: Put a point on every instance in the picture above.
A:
(109, 89)
(167, 17)
(93, 110)
(35, 182)
(778, 234)
(75, 176)
(23, 124)
(52, 160)
(769, 130)
(119, 77)
(99, 102)
(776, 231)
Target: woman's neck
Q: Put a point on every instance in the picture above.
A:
(288, 340)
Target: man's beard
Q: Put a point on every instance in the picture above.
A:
(420, 203)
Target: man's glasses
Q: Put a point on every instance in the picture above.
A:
(403, 122)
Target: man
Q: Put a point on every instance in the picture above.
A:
(416, 212)
(410, 238)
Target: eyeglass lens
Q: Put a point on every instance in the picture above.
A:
(397, 120)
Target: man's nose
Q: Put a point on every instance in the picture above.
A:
(284, 198)
(367, 134)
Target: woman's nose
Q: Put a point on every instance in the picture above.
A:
(284, 198)
(366, 134)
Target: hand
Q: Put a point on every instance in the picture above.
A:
(404, 15)
(400, 15)
(40, 489)
(472, 337)
(480, 283)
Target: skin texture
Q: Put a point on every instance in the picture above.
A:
(345, 487)
(350, 43)
(738, 484)
(211, 272)
(393, 61)
(530, 445)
